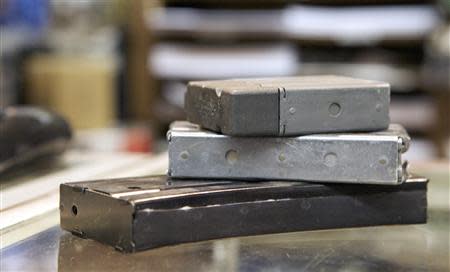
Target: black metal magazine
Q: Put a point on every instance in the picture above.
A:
(134, 214)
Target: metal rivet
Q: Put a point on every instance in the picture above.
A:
(382, 161)
(281, 157)
(184, 155)
(330, 159)
(292, 110)
(305, 205)
(378, 107)
(232, 156)
(244, 210)
(334, 109)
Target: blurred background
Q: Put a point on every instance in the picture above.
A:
(117, 69)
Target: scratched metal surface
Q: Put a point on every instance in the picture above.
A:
(288, 106)
(389, 248)
(366, 158)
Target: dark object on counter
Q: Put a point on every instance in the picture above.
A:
(28, 134)
(134, 214)
(288, 106)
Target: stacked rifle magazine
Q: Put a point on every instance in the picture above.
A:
(260, 156)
